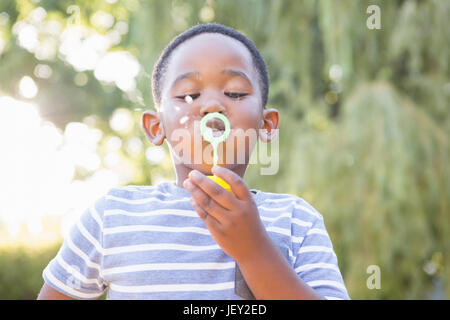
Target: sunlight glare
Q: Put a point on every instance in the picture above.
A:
(39, 168)
(28, 88)
(121, 120)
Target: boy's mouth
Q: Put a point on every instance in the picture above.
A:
(217, 127)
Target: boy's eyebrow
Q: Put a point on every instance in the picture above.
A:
(184, 76)
(195, 74)
(237, 73)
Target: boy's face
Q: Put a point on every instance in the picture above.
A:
(211, 73)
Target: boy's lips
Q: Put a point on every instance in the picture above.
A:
(216, 124)
(217, 133)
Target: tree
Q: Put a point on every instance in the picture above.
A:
(364, 112)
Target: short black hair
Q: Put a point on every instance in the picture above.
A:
(161, 65)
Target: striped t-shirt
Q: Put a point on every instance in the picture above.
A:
(147, 242)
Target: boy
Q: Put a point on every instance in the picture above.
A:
(192, 239)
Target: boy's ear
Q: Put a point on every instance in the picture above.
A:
(153, 127)
(270, 125)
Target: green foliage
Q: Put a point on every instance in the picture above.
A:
(391, 213)
(367, 146)
(21, 270)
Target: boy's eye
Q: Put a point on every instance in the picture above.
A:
(235, 95)
(189, 97)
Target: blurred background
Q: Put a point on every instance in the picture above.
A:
(364, 133)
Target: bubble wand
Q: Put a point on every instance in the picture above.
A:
(207, 134)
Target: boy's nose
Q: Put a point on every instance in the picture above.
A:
(212, 106)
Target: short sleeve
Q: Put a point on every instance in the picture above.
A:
(76, 269)
(316, 262)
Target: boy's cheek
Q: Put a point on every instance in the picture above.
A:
(240, 145)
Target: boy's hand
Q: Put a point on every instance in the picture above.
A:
(233, 220)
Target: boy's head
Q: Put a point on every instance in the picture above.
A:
(161, 65)
(210, 68)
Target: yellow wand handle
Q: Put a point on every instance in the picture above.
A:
(220, 182)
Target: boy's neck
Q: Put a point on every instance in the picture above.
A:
(182, 172)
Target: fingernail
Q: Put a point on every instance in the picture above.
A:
(194, 174)
(187, 184)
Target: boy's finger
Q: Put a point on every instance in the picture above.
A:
(211, 223)
(219, 194)
(205, 202)
(201, 213)
(238, 186)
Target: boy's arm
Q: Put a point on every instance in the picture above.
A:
(234, 223)
(48, 293)
(270, 277)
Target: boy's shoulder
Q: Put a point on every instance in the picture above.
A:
(131, 190)
(287, 202)
(136, 194)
